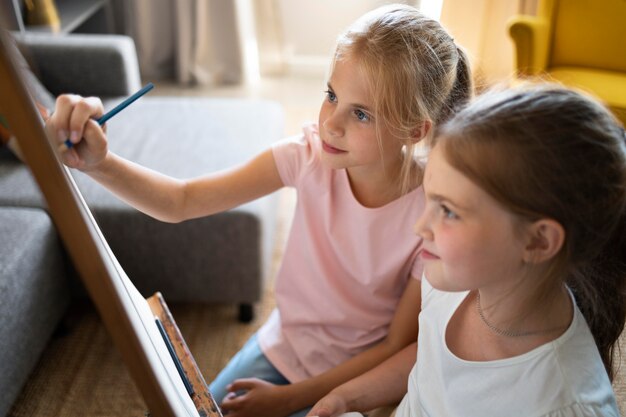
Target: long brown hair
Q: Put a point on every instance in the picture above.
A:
(546, 151)
(416, 72)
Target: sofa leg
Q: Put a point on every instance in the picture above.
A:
(246, 312)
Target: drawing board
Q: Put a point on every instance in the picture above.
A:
(125, 313)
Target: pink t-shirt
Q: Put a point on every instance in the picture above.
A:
(344, 269)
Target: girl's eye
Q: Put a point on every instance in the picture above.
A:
(330, 96)
(361, 115)
(447, 213)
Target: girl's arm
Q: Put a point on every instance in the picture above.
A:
(172, 200)
(155, 194)
(289, 398)
(386, 384)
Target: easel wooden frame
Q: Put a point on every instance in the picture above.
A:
(90, 253)
(202, 398)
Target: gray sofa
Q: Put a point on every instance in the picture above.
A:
(217, 259)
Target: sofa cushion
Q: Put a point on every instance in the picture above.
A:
(219, 258)
(101, 65)
(38, 91)
(33, 294)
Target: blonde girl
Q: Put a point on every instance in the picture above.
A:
(348, 288)
(524, 246)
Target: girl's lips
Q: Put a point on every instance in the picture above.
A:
(424, 254)
(330, 149)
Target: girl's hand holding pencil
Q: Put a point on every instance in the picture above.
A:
(76, 123)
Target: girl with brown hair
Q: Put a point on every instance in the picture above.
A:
(524, 247)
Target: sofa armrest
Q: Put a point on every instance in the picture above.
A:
(531, 36)
(90, 65)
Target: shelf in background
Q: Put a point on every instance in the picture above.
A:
(84, 16)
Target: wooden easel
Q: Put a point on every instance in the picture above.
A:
(98, 268)
(201, 397)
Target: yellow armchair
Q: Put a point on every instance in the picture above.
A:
(581, 43)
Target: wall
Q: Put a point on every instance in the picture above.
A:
(481, 27)
(306, 31)
(298, 36)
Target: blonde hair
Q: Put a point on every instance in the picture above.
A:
(416, 73)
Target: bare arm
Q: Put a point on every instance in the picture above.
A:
(386, 384)
(402, 332)
(155, 194)
(293, 397)
(383, 385)
(172, 200)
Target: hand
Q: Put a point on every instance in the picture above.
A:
(73, 118)
(331, 405)
(260, 399)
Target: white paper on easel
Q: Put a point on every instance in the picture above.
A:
(143, 322)
(162, 354)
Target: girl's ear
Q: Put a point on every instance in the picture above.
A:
(545, 240)
(420, 132)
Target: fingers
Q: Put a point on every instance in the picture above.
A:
(242, 384)
(72, 113)
(82, 141)
(232, 402)
(84, 111)
(319, 412)
(237, 393)
(330, 406)
(60, 117)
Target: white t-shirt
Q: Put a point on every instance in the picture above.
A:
(563, 378)
(344, 268)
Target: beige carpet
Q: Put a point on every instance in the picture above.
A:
(619, 384)
(82, 374)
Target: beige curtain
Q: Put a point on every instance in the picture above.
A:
(190, 41)
(269, 37)
(277, 20)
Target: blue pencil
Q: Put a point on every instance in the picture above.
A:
(177, 363)
(102, 120)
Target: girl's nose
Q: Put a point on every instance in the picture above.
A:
(333, 124)
(422, 226)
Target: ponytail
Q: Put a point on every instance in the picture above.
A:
(600, 292)
(600, 288)
(461, 91)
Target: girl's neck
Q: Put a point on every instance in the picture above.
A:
(470, 338)
(513, 314)
(377, 189)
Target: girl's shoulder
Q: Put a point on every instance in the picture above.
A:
(298, 155)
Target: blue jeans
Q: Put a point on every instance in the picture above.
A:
(249, 362)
